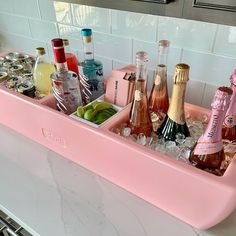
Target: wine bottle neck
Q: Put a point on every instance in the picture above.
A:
(176, 109)
(88, 48)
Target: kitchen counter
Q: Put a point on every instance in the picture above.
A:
(51, 196)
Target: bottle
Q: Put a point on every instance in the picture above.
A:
(65, 83)
(175, 119)
(209, 152)
(41, 74)
(159, 99)
(71, 59)
(139, 119)
(229, 125)
(91, 70)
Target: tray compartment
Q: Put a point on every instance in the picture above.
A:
(192, 195)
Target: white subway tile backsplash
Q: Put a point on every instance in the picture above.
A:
(20, 43)
(152, 50)
(209, 68)
(63, 13)
(47, 10)
(208, 95)
(12, 23)
(134, 25)
(43, 30)
(6, 6)
(91, 17)
(26, 8)
(225, 43)
(113, 47)
(187, 33)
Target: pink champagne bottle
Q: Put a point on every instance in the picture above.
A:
(209, 152)
(229, 125)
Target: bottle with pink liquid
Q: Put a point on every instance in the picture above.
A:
(209, 152)
(229, 125)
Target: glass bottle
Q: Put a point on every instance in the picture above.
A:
(175, 119)
(229, 125)
(139, 119)
(209, 152)
(65, 83)
(71, 59)
(41, 74)
(159, 99)
(91, 70)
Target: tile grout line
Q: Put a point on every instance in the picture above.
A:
(214, 39)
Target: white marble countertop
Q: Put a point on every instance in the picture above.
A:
(52, 196)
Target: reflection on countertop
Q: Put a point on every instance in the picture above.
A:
(49, 195)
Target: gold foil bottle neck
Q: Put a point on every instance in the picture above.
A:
(65, 42)
(40, 51)
(181, 73)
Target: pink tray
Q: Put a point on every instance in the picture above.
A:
(192, 195)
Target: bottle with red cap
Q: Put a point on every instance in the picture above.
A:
(229, 125)
(65, 83)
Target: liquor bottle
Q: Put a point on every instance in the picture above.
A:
(71, 59)
(41, 74)
(159, 99)
(91, 70)
(65, 83)
(229, 125)
(175, 119)
(139, 119)
(209, 152)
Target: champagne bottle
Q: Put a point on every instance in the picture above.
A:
(139, 120)
(175, 119)
(159, 99)
(229, 125)
(209, 152)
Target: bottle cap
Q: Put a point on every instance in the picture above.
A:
(86, 32)
(181, 73)
(40, 51)
(66, 42)
(142, 56)
(164, 43)
(58, 50)
(233, 78)
(222, 98)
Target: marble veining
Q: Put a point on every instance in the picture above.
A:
(50, 195)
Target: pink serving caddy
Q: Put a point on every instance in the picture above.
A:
(192, 195)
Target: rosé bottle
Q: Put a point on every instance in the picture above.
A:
(159, 99)
(209, 152)
(139, 120)
(229, 125)
(71, 59)
(175, 119)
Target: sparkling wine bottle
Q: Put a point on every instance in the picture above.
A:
(229, 125)
(71, 59)
(139, 120)
(209, 152)
(159, 99)
(65, 84)
(175, 119)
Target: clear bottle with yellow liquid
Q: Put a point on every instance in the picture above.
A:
(41, 74)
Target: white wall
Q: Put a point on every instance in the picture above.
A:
(209, 49)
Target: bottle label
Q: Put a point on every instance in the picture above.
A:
(230, 121)
(137, 95)
(203, 148)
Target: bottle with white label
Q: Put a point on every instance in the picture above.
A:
(209, 152)
(139, 120)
